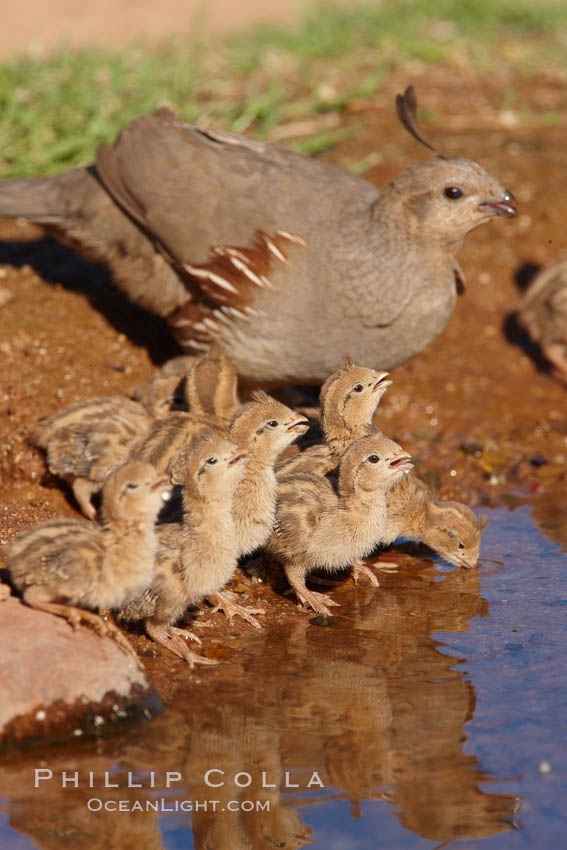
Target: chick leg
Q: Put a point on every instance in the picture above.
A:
(232, 609)
(385, 565)
(320, 602)
(83, 491)
(165, 636)
(557, 356)
(359, 568)
(185, 634)
(76, 616)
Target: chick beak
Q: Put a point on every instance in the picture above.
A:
(238, 456)
(464, 562)
(162, 484)
(505, 205)
(299, 425)
(381, 382)
(401, 463)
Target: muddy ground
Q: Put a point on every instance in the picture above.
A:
(480, 410)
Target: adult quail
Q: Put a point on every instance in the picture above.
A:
(286, 261)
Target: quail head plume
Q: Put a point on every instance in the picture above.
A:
(282, 259)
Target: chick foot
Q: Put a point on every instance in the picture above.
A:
(385, 566)
(169, 637)
(83, 491)
(185, 634)
(76, 616)
(556, 355)
(320, 602)
(359, 568)
(225, 602)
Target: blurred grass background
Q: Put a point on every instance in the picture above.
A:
(54, 112)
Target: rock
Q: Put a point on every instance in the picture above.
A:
(59, 683)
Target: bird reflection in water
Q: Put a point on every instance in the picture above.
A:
(374, 706)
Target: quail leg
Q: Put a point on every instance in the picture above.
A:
(185, 634)
(232, 609)
(556, 354)
(169, 637)
(359, 568)
(83, 491)
(320, 602)
(384, 565)
(76, 616)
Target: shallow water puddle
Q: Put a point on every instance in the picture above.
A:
(433, 710)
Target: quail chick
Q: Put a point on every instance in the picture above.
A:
(211, 399)
(543, 312)
(264, 428)
(212, 385)
(65, 563)
(219, 233)
(88, 440)
(205, 385)
(348, 400)
(198, 558)
(449, 528)
(318, 527)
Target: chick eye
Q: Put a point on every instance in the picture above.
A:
(461, 544)
(211, 460)
(273, 423)
(357, 388)
(372, 458)
(453, 192)
(132, 485)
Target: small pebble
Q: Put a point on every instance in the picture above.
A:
(322, 620)
(544, 767)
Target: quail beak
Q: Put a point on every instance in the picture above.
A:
(164, 484)
(299, 425)
(238, 456)
(505, 205)
(464, 562)
(381, 382)
(401, 463)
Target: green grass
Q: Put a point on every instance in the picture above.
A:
(55, 112)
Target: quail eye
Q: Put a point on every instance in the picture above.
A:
(357, 388)
(373, 458)
(453, 192)
(211, 460)
(273, 423)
